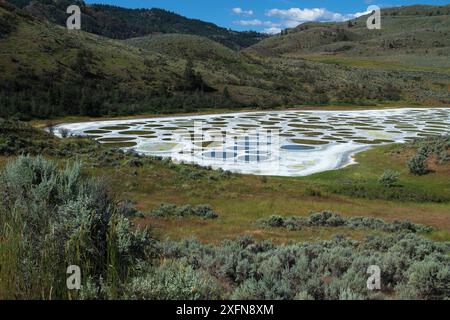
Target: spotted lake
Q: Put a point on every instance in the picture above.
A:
(283, 143)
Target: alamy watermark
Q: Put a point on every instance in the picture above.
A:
(207, 145)
(73, 282)
(374, 20)
(374, 281)
(74, 20)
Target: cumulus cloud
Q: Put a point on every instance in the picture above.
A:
(292, 17)
(270, 27)
(254, 22)
(272, 30)
(241, 12)
(298, 15)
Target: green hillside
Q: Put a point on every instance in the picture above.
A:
(121, 23)
(414, 32)
(186, 46)
(413, 38)
(47, 71)
(218, 64)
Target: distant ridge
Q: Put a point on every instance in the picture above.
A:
(122, 23)
(411, 29)
(46, 71)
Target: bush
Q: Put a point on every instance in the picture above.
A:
(273, 221)
(164, 210)
(171, 210)
(325, 218)
(174, 280)
(334, 269)
(437, 145)
(330, 219)
(389, 178)
(427, 279)
(54, 218)
(64, 133)
(418, 165)
(313, 192)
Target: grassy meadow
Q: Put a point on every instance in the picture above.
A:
(241, 200)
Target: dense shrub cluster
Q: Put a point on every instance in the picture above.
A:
(51, 218)
(171, 210)
(389, 178)
(365, 189)
(411, 267)
(417, 165)
(437, 146)
(330, 219)
(174, 280)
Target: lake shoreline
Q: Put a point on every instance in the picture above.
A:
(65, 120)
(332, 137)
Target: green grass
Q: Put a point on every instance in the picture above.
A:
(242, 200)
(37, 51)
(391, 62)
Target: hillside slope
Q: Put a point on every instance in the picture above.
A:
(408, 29)
(413, 45)
(218, 64)
(122, 23)
(186, 46)
(411, 38)
(46, 71)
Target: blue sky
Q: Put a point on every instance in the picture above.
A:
(265, 15)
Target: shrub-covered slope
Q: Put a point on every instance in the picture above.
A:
(47, 71)
(410, 30)
(122, 23)
(51, 218)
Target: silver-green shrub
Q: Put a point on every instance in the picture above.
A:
(63, 218)
(174, 280)
(389, 178)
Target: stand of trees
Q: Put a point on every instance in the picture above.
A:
(86, 93)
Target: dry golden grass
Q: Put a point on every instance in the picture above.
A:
(242, 200)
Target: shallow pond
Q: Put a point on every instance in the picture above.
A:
(284, 143)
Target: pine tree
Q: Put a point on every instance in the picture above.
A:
(226, 93)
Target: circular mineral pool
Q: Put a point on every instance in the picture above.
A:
(253, 158)
(241, 148)
(219, 155)
(299, 147)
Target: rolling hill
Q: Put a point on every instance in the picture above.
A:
(415, 37)
(48, 71)
(186, 46)
(121, 23)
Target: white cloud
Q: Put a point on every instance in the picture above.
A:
(294, 16)
(270, 27)
(255, 22)
(241, 12)
(272, 30)
(290, 18)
